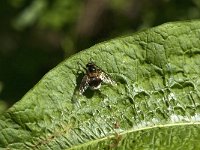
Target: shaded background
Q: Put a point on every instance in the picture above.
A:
(36, 35)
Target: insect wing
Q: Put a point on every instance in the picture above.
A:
(84, 84)
(106, 79)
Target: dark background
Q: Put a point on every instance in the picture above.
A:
(36, 35)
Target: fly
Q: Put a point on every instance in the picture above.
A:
(93, 78)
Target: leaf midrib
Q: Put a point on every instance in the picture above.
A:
(49, 138)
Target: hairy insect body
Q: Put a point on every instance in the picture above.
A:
(93, 78)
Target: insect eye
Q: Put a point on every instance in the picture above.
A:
(92, 69)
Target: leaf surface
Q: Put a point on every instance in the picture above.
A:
(155, 104)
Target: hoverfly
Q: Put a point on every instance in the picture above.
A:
(93, 78)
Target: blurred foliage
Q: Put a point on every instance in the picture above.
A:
(3, 104)
(36, 35)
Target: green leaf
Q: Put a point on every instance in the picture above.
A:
(155, 104)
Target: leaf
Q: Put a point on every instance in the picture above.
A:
(155, 105)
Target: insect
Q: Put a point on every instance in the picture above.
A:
(93, 78)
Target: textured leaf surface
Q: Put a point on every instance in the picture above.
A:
(155, 105)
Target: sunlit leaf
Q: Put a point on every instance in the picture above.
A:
(155, 104)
